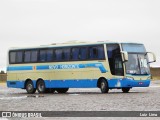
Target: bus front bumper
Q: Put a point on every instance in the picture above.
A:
(121, 83)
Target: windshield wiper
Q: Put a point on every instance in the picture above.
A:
(135, 74)
(140, 74)
(145, 74)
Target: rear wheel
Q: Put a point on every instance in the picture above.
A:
(30, 87)
(104, 86)
(62, 90)
(125, 90)
(41, 86)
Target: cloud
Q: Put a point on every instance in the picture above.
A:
(38, 22)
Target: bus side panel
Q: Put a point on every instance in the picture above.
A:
(15, 84)
(57, 84)
(71, 83)
(84, 76)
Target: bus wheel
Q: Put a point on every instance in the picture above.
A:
(41, 86)
(125, 90)
(50, 90)
(62, 90)
(30, 88)
(104, 86)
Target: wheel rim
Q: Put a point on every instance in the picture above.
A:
(30, 87)
(41, 87)
(102, 85)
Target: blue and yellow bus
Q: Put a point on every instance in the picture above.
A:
(58, 67)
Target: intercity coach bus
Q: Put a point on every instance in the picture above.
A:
(58, 67)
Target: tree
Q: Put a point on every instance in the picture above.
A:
(2, 72)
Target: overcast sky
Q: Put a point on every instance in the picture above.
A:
(40, 22)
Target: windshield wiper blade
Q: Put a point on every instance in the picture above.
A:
(134, 74)
(139, 74)
(145, 74)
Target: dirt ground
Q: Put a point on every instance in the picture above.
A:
(138, 99)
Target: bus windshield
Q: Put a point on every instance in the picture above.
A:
(137, 60)
(133, 47)
(137, 64)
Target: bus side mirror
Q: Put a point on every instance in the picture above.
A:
(125, 56)
(153, 57)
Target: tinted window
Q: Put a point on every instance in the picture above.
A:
(34, 56)
(12, 57)
(50, 55)
(19, 57)
(27, 56)
(66, 54)
(131, 47)
(58, 54)
(93, 52)
(96, 52)
(114, 58)
(42, 55)
(75, 53)
(101, 52)
(83, 53)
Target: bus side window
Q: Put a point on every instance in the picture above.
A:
(75, 53)
(66, 53)
(27, 56)
(83, 53)
(93, 52)
(42, 55)
(101, 52)
(34, 55)
(58, 53)
(12, 57)
(50, 55)
(19, 57)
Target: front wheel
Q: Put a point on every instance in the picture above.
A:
(104, 86)
(62, 90)
(30, 87)
(125, 90)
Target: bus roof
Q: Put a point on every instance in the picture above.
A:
(71, 43)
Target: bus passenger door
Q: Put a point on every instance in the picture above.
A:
(115, 60)
(118, 66)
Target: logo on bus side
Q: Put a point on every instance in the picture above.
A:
(66, 66)
(77, 66)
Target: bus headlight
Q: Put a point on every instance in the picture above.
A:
(150, 77)
(130, 78)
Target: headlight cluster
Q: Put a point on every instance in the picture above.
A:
(128, 77)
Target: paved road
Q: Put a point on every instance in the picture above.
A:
(139, 99)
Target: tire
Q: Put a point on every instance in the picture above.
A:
(104, 86)
(30, 87)
(62, 90)
(125, 90)
(50, 90)
(41, 88)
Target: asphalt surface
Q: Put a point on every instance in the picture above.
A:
(138, 99)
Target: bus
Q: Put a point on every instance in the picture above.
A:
(60, 66)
